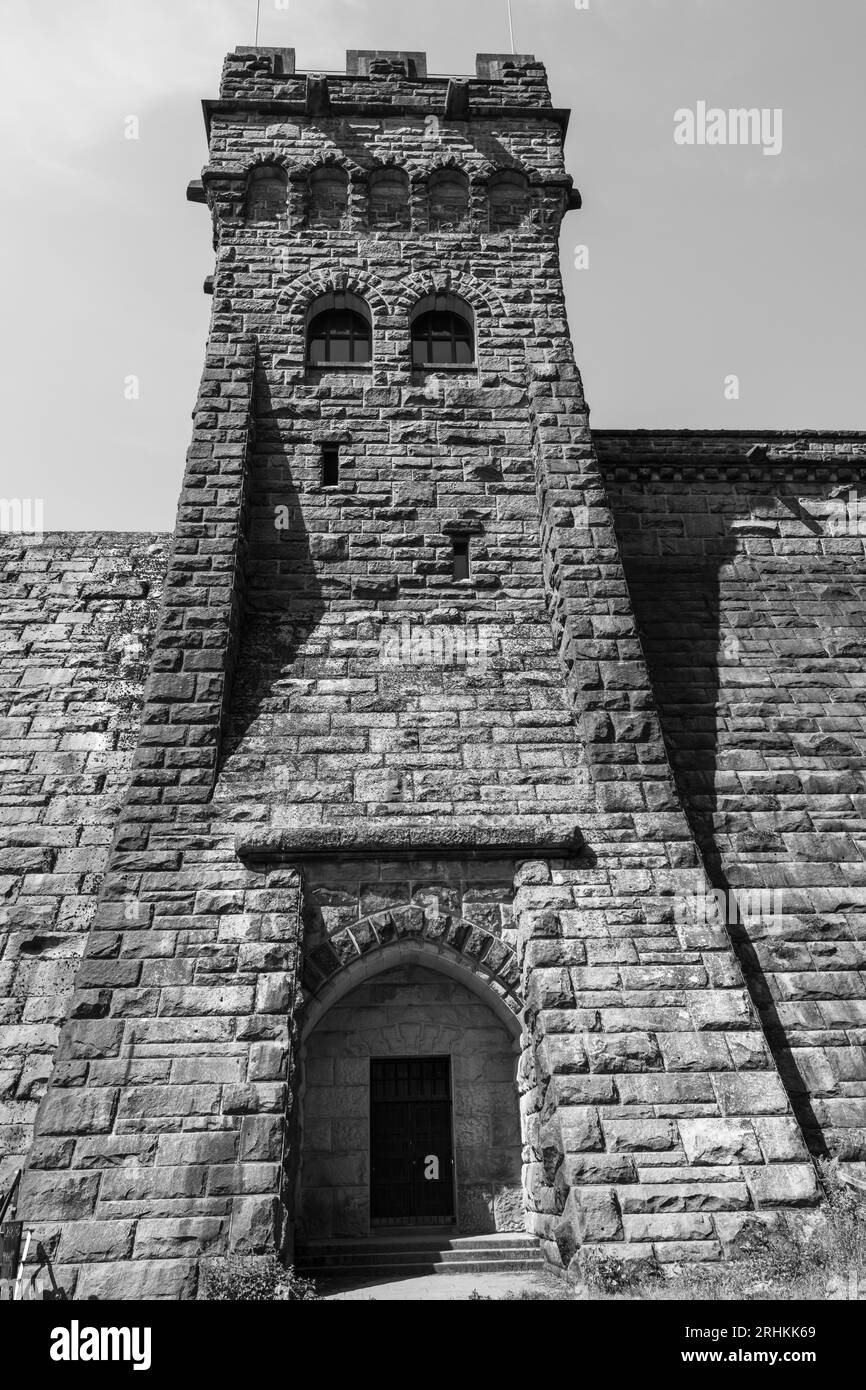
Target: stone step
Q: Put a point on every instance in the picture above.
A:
(413, 1257)
(400, 1270)
(406, 1256)
(324, 1251)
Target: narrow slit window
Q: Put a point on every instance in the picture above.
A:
(462, 569)
(331, 465)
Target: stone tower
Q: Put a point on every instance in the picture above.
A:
(403, 921)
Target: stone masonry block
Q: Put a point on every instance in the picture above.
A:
(783, 1185)
(181, 1238)
(712, 1142)
(751, 1093)
(139, 1281)
(95, 1241)
(639, 1136)
(47, 1196)
(77, 1111)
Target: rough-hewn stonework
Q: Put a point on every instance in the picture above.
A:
(745, 574)
(76, 628)
(350, 763)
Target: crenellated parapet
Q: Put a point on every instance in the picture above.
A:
(390, 78)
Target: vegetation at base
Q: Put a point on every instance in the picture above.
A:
(784, 1258)
(252, 1279)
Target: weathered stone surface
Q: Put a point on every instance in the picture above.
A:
(770, 723)
(187, 1237)
(590, 1215)
(783, 1184)
(360, 777)
(719, 1141)
(43, 1197)
(96, 1241)
(640, 1136)
(77, 1112)
(138, 1280)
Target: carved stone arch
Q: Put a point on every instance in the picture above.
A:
(330, 159)
(483, 172)
(453, 941)
(506, 1004)
(445, 161)
(268, 157)
(295, 300)
(482, 298)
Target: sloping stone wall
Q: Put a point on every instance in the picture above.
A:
(77, 618)
(746, 578)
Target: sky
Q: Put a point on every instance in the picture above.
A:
(703, 262)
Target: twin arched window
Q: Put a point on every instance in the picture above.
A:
(340, 332)
(442, 333)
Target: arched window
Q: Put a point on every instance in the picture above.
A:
(267, 193)
(389, 199)
(449, 201)
(509, 201)
(329, 197)
(442, 332)
(340, 331)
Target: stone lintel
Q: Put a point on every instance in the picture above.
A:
(518, 837)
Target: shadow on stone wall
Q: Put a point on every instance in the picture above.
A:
(283, 606)
(678, 606)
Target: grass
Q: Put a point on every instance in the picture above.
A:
(778, 1259)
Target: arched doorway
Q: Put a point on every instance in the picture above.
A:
(409, 1112)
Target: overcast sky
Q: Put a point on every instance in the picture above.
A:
(703, 261)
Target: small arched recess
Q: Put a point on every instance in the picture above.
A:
(267, 193)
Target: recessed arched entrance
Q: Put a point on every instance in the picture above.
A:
(409, 1112)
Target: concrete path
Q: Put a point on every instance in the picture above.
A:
(440, 1288)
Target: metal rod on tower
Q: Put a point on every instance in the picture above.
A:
(511, 27)
(258, 17)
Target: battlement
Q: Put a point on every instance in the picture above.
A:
(390, 78)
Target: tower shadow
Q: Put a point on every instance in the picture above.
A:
(283, 604)
(688, 646)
